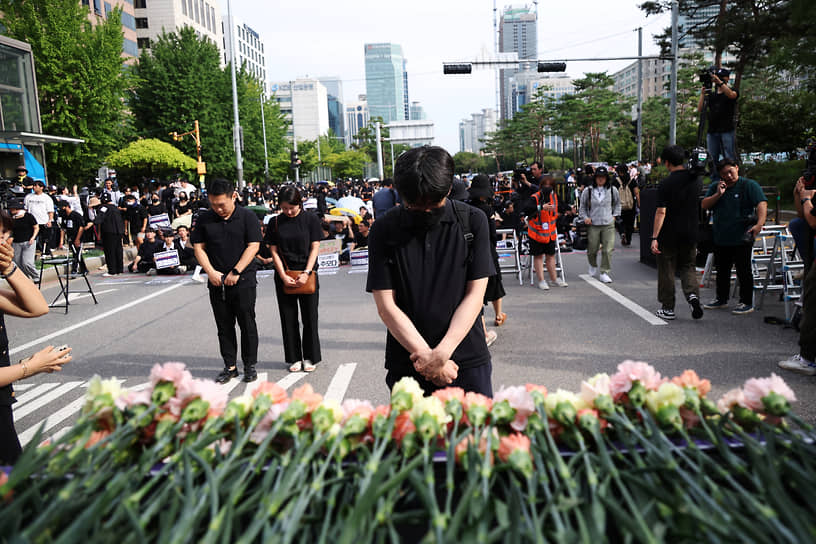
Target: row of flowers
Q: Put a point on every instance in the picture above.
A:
(176, 404)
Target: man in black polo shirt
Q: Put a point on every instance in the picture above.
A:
(428, 281)
(226, 238)
(73, 225)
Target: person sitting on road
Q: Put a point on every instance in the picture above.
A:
(144, 261)
(167, 242)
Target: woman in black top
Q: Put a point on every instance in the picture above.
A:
(22, 300)
(184, 207)
(294, 239)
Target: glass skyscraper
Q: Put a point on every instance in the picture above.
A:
(385, 83)
(517, 33)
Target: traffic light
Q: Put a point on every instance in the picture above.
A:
(552, 66)
(633, 129)
(457, 68)
(293, 155)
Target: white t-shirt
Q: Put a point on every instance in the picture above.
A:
(39, 206)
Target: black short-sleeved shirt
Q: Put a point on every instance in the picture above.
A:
(73, 222)
(226, 240)
(721, 111)
(23, 228)
(293, 237)
(679, 193)
(429, 274)
(136, 216)
(148, 249)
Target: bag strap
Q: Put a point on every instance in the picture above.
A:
(463, 218)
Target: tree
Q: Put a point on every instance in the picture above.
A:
(149, 158)
(347, 164)
(249, 107)
(80, 80)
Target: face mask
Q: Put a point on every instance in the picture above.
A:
(422, 221)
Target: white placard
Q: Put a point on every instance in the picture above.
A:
(158, 221)
(328, 261)
(166, 259)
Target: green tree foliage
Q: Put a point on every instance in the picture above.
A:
(80, 79)
(249, 108)
(149, 158)
(366, 142)
(347, 164)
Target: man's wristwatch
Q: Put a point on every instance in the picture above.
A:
(235, 271)
(308, 272)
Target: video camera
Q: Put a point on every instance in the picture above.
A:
(9, 189)
(810, 165)
(705, 76)
(698, 161)
(522, 168)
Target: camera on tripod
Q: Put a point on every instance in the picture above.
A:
(705, 76)
(698, 161)
(522, 168)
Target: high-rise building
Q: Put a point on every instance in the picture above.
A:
(357, 117)
(417, 112)
(405, 89)
(337, 113)
(385, 81)
(656, 74)
(248, 47)
(304, 104)
(466, 133)
(155, 16)
(474, 131)
(100, 10)
(517, 33)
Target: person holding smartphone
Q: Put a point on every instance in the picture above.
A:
(21, 299)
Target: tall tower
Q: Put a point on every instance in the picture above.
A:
(385, 81)
(517, 33)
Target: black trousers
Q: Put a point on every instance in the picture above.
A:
(627, 225)
(726, 257)
(476, 379)
(44, 239)
(295, 347)
(231, 305)
(9, 443)
(807, 327)
(114, 254)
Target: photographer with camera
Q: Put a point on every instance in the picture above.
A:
(733, 200)
(805, 361)
(799, 226)
(720, 103)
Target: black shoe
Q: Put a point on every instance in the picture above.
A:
(249, 374)
(226, 375)
(696, 309)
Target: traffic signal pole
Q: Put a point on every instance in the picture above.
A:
(201, 166)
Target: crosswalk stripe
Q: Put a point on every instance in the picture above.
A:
(340, 382)
(52, 420)
(44, 399)
(74, 296)
(140, 387)
(23, 386)
(291, 379)
(230, 385)
(34, 393)
(262, 376)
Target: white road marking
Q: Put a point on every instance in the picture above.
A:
(23, 386)
(340, 382)
(35, 405)
(74, 296)
(35, 392)
(140, 386)
(638, 310)
(291, 379)
(52, 420)
(262, 377)
(230, 385)
(66, 330)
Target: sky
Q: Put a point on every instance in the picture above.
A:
(326, 38)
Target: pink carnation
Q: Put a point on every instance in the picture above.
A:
(521, 400)
(271, 389)
(690, 379)
(133, 398)
(362, 408)
(730, 399)
(307, 395)
(211, 392)
(265, 424)
(632, 371)
(512, 442)
(533, 387)
(756, 389)
(450, 393)
(477, 399)
(173, 372)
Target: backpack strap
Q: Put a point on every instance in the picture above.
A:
(462, 212)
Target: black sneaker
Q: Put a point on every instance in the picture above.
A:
(665, 313)
(716, 304)
(249, 374)
(226, 375)
(696, 309)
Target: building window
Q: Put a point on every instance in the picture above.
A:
(197, 12)
(130, 48)
(98, 7)
(141, 22)
(128, 21)
(108, 9)
(142, 4)
(143, 43)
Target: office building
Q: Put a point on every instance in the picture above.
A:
(385, 81)
(156, 16)
(337, 112)
(405, 102)
(517, 33)
(304, 104)
(656, 76)
(417, 112)
(248, 47)
(357, 117)
(474, 131)
(100, 9)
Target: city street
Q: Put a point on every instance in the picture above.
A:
(554, 338)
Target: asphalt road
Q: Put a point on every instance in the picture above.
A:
(555, 338)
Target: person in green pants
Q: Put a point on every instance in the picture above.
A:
(599, 207)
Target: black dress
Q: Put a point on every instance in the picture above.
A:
(495, 287)
(9, 443)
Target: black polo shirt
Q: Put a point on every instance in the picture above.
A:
(293, 237)
(429, 273)
(73, 222)
(679, 193)
(22, 229)
(226, 240)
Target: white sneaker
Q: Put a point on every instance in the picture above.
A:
(543, 285)
(151, 272)
(798, 364)
(593, 270)
(561, 283)
(604, 277)
(107, 275)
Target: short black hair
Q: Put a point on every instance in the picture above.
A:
(674, 155)
(6, 222)
(220, 186)
(388, 182)
(424, 175)
(289, 194)
(726, 162)
(540, 166)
